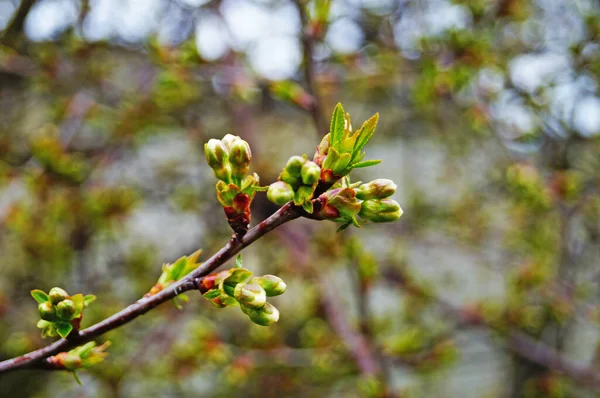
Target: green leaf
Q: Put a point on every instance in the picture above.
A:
(212, 294)
(336, 128)
(331, 159)
(366, 163)
(308, 207)
(343, 227)
(63, 328)
(177, 269)
(39, 296)
(77, 378)
(237, 275)
(366, 132)
(79, 302)
(238, 261)
(88, 299)
(43, 324)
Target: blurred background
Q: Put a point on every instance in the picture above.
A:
(489, 124)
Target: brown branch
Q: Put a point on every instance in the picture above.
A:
(356, 343)
(35, 359)
(16, 25)
(316, 108)
(517, 342)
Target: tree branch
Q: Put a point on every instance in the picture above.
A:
(15, 27)
(307, 37)
(518, 342)
(35, 359)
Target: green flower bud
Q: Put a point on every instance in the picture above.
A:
(285, 176)
(294, 165)
(71, 361)
(280, 193)
(340, 204)
(66, 309)
(377, 189)
(380, 210)
(57, 295)
(223, 173)
(216, 153)
(251, 295)
(310, 173)
(239, 157)
(265, 316)
(273, 285)
(47, 311)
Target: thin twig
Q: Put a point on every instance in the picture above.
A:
(516, 341)
(308, 45)
(35, 359)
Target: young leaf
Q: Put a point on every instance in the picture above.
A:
(366, 131)
(366, 163)
(308, 207)
(39, 296)
(237, 275)
(63, 328)
(211, 294)
(89, 299)
(77, 378)
(336, 128)
(238, 261)
(79, 302)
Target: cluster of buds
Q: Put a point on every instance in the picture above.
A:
(59, 312)
(340, 151)
(297, 182)
(345, 202)
(237, 286)
(83, 356)
(230, 160)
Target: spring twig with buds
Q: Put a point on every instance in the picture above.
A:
(318, 189)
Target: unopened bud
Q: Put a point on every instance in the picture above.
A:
(377, 189)
(341, 203)
(71, 361)
(228, 140)
(223, 173)
(273, 285)
(251, 295)
(310, 173)
(280, 193)
(216, 153)
(239, 157)
(57, 295)
(285, 176)
(264, 316)
(47, 311)
(66, 309)
(380, 210)
(294, 165)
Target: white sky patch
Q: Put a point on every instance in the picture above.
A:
(586, 116)
(416, 22)
(531, 71)
(48, 18)
(211, 37)
(98, 25)
(345, 36)
(194, 3)
(246, 21)
(6, 12)
(137, 19)
(276, 58)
